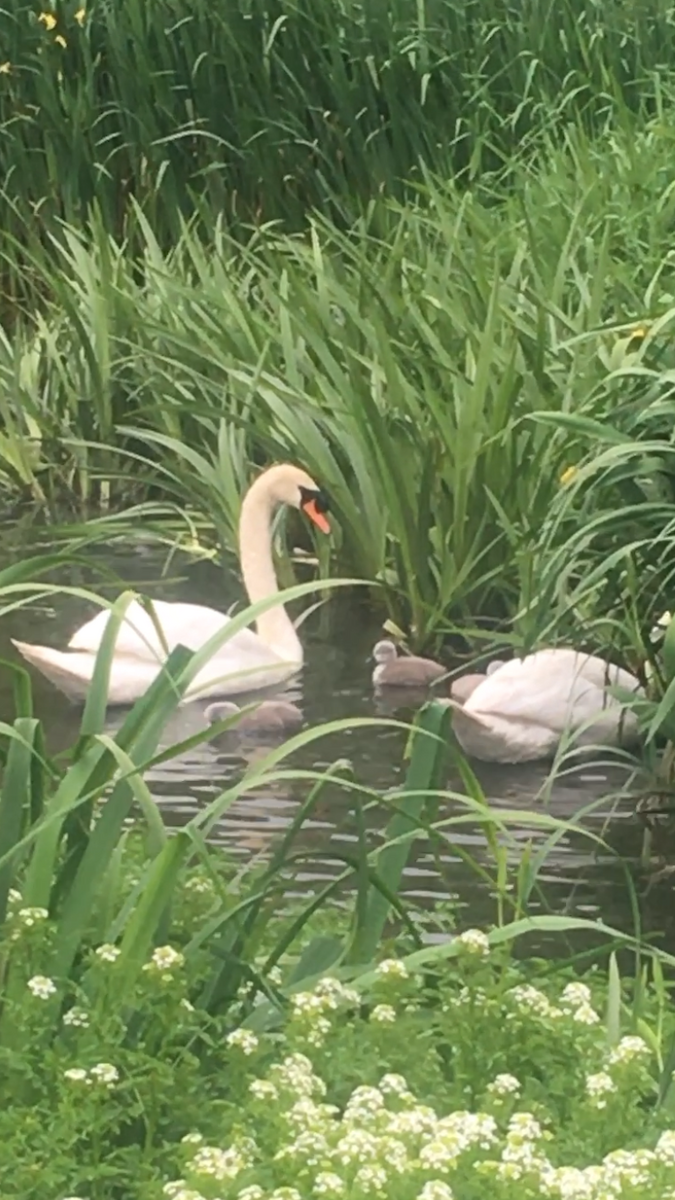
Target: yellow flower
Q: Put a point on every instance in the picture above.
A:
(80, 16)
(60, 40)
(5, 68)
(48, 20)
(568, 475)
(639, 332)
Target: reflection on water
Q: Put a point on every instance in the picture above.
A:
(578, 875)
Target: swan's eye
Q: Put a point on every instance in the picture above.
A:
(315, 505)
(320, 499)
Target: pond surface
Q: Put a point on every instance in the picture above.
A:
(578, 876)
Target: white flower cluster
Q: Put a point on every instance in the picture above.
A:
(629, 1050)
(42, 987)
(102, 1074)
(28, 917)
(384, 1143)
(165, 960)
(310, 1010)
(473, 942)
(392, 968)
(244, 1040)
(598, 1088)
(504, 1085)
(107, 953)
(199, 884)
(78, 1017)
(576, 1000)
(529, 1001)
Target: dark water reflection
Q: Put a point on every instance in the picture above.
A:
(577, 876)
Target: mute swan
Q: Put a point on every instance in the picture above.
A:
(409, 671)
(248, 661)
(522, 710)
(270, 716)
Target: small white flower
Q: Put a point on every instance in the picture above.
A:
(285, 1193)
(252, 1192)
(275, 977)
(41, 987)
(394, 1085)
(435, 1189)
(187, 1006)
(364, 1100)
(104, 1073)
(180, 1192)
(192, 1139)
(575, 994)
(32, 916)
(75, 1075)
(383, 1014)
(391, 968)
(529, 999)
(263, 1089)
(76, 1016)
(199, 884)
(328, 1184)
(504, 1085)
(221, 1165)
(371, 1178)
(420, 1121)
(335, 994)
(356, 1146)
(599, 1087)
(244, 1040)
(107, 953)
(523, 1127)
(629, 1050)
(14, 897)
(165, 958)
(474, 942)
(585, 1015)
(665, 1147)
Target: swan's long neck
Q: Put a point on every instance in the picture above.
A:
(274, 627)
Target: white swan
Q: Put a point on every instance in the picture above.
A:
(248, 661)
(521, 711)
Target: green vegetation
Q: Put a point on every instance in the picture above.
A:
(406, 243)
(423, 249)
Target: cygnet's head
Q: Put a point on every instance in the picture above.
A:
(287, 484)
(220, 711)
(384, 652)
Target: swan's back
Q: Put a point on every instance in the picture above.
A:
(190, 625)
(547, 687)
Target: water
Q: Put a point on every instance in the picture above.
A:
(578, 877)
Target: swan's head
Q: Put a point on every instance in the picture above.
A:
(384, 652)
(286, 484)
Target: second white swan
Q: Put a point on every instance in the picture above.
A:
(522, 710)
(246, 662)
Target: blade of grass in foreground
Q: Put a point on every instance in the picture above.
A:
(426, 773)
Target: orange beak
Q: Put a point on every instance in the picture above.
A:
(320, 519)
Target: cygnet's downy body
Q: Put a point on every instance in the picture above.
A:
(407, 671)
(269, 718)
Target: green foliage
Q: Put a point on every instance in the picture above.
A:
(404, 362)
(264, 110)
(424, 1073)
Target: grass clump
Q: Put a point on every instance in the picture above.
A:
(407, 1080)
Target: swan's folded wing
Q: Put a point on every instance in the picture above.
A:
(188, 625)
(552, 688)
